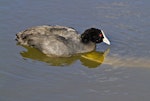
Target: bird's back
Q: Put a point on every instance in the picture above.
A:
(45, 30)
(51, 40)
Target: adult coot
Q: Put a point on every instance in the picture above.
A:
(61, 41)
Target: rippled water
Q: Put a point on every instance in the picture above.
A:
(117, 72)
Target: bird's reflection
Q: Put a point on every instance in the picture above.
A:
(91, 59)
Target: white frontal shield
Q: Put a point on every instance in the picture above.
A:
(105, 39)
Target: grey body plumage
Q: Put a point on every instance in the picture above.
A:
(58, 41)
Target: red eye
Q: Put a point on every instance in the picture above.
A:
(100, 35)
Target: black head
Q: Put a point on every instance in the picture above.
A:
(92, 34)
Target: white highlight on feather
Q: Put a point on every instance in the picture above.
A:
(105, 39)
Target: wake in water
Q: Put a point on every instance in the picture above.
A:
(128, 62)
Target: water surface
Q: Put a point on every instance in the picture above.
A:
(117, 72)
